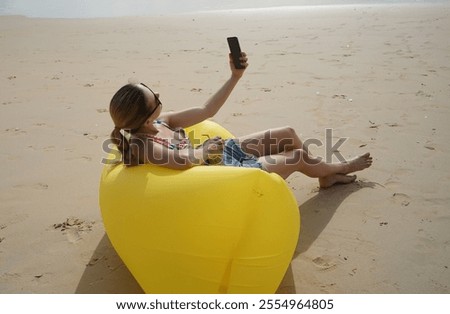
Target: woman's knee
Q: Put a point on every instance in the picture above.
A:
(283, 132)
(290, 130)
(288, 139)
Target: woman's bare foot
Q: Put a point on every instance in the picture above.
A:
(357, 164)
(326, 182)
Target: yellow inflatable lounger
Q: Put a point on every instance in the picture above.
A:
(208, 229)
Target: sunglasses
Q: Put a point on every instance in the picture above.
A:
(158, 104)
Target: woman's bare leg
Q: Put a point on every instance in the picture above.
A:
(281, 151)
(289, 162)
(270, 142)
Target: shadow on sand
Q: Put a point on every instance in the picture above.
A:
(106, 273)
(317, 212)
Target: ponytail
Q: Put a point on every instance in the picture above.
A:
(130, 155)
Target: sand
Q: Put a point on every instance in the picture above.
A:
(379, 76)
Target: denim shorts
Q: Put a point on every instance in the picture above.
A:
(234, 156)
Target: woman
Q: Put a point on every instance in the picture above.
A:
(145, 134)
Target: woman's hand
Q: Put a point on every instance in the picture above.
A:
(213, 146)
(213, 150)
(237, 73)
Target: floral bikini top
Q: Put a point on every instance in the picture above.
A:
(180, 135)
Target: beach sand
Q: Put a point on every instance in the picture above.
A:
(379, 76)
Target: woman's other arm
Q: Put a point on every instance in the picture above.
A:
(160, 155)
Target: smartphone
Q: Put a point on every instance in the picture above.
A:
(235, 50)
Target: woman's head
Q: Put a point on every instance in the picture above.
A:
(131, 107)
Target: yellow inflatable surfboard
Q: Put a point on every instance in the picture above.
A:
(208, 229)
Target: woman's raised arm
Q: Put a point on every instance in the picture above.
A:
(194, 115)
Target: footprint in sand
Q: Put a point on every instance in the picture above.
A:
(403, 171)
(421, 93)
(50, 148)
(339, 96)
(394, 182)
(401, 198)
(15, 131)
(90, 136)
(74, 223)
(80, 158)
(324, 263)
(73, 227)
(73, 236)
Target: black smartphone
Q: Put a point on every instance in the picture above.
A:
(235, 50)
